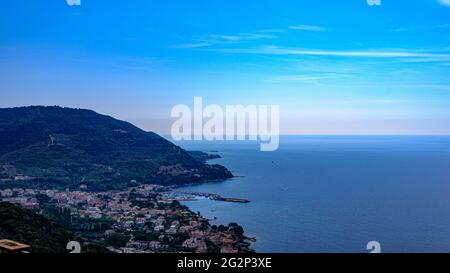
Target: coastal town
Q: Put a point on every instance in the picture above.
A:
(141, 219)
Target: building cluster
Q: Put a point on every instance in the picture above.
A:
(147, 214)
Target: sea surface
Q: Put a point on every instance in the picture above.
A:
(335, 193)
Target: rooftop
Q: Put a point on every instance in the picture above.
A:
(12, 245)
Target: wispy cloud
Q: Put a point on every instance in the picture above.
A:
(237, 38)
(275, 30)
(193, 45)
(419, 28)
(274, 50)
(307, 28)
(444, 2)
(387, 84)
(241, 37)
(308, 77)
(220, 39)
(429, 86)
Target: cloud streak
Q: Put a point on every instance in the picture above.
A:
(223, 39)
(264, 34)
(274, 50)
(421, 28)
(216, 38)
(308, 28)
(314, 78)
(192, 45)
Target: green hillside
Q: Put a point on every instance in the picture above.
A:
(32, 229)
(63, 147)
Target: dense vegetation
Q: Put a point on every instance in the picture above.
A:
(30, 228)
(202, 156)
(63, 217)
(63, 147)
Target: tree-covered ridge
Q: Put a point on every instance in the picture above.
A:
(66, 147)
(30, 228)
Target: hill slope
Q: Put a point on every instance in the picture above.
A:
(27, 227)
(66, 147)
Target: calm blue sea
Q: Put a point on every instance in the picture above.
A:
(336, 193)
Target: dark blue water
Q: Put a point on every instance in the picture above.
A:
(335, 194)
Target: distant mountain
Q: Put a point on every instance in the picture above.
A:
(63, 147)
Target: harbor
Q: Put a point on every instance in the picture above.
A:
(214, 196)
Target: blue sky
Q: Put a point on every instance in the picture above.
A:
(334, 67)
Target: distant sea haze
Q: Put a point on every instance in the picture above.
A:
(336, 193)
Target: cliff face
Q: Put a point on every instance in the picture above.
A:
(63, 147)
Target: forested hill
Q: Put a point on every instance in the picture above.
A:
(64, 147)
(30, 228)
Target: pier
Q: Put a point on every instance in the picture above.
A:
(214, 196)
